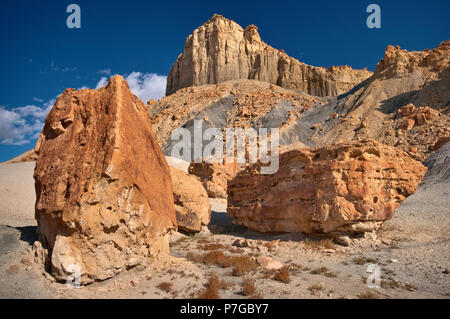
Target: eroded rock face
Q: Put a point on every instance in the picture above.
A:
(192, 206)
(221, 50)
(406, 103)
(214, 176)
(349, 187)
(103, 188)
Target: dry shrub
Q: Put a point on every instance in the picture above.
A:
(283, 275)
(368, 295)
(165, 286)
(234, 250)
(315, 288)
(319, 271)
(326, 243)
(389, 283)
(364, 260)
(241, 264)
(248, 287)
(212, 287)
(212, 246)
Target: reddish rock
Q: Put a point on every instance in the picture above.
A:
(424, 114)
(407, 124)
(214, 176)
(192, 206)
(104, 198)
(348, 187)
(406, 110)
(420, 115)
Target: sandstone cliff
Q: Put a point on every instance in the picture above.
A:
(222, 50)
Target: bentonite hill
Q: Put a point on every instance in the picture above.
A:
(362, 181)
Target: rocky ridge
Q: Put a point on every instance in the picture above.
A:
(221, 50)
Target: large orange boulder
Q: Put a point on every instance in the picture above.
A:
(192, 206)
(215, 176)
(104, 199)
(344, 188)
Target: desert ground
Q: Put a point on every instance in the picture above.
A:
(412, 251)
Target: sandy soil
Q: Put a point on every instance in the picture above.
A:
(412, 252)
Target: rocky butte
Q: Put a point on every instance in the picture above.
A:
(221, 50)
(104, 200)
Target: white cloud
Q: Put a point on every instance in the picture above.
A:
(145, 85)
(105, 71)
(36, 99)
(21, 125)
(57, 68)
(103, 81)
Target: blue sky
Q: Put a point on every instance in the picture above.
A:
(40, 56)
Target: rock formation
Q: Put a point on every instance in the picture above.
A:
(239, 103)
(344, 188)
(221, 50)
(104, 193)
(215, 176)
(192, 206)
(416, 82)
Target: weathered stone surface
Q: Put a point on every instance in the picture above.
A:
(221, 50)
(103, 188)
(192, 206)
(349, 187)
(232, 104)
(416, 82)
(214, 176)
(268, 263)
(417, 116)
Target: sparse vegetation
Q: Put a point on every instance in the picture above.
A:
(212, 247)
(212, 287)
(283, 275)
(240, 264)
(323, 271)
(368, 295)
(165, 286)
(330, 274)
(389, 283)
(362, 260)
(326, 243)
(319, 271)
(316, 287)
(248, 287)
